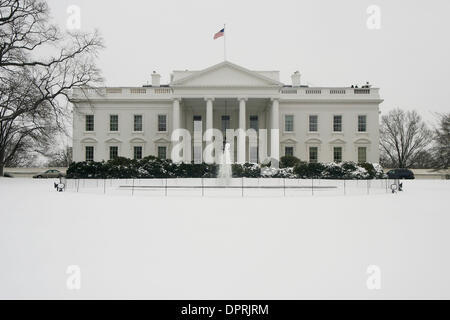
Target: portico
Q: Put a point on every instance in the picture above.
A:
(231, 113)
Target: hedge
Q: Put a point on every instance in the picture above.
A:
(153, 167)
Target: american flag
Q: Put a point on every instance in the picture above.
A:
(219, 34)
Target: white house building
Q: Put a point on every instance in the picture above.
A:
(315, 124)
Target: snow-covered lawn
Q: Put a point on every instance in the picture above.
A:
(223, 246)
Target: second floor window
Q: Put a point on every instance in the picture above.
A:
(89, 122)
(113, 122)
(313, 123)
(289, 123)
(362, 123)
(337, 123)
(137, 123)
(162, 123)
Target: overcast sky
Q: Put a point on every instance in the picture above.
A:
(328, 41)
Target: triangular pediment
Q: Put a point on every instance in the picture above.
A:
(137, 140)
(89, 140)
(313, 141)
(226, 74)
(161, 140)
(113, 140)
(337, 141)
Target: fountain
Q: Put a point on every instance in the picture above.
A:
(225, 173)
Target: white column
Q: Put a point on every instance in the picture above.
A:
(176, 114)
(175, 125)
(242, 130)
(209, 130)
(275, 132)
(209, 113)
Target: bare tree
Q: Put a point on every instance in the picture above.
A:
(62, 157)
(403, 137)
(34, 85)
(441, 145)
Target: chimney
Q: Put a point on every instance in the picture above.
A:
(296, 79)
(156, 79)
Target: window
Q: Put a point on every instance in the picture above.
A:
(137, 152)
(313, 123)
(362, 123)
(197, 154)
(313, 154)
(362, 154)
(89, 122)
(162, 123)
(253, 154)
(197, 123)
(337, 154)
(289, 151)
(137, 123)
(254, 123)
(113, 152)
(113, 122)
(225, 126)
(337, 123)
(89, 153)
(225, 123)
(289, 123)
(162, 154)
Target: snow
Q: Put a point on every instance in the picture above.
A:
(223, 245)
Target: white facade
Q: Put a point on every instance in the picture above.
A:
(312, 123)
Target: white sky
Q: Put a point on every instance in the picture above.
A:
(326, 40)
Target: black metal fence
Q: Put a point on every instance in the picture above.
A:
(233, 187)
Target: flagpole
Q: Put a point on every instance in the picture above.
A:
(224, 43)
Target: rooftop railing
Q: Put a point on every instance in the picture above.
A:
(115, 92)
(328, 91)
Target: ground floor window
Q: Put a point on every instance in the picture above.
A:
(289, 151)
(313, 154)
(162, 152)
(362, 154)
(253, 154)
(337, 154)
(113, 152)
(254, 123)
(89, 153)
(137, 152)
(197, 151)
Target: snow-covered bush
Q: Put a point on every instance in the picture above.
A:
(153, 167)
(247, 170)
